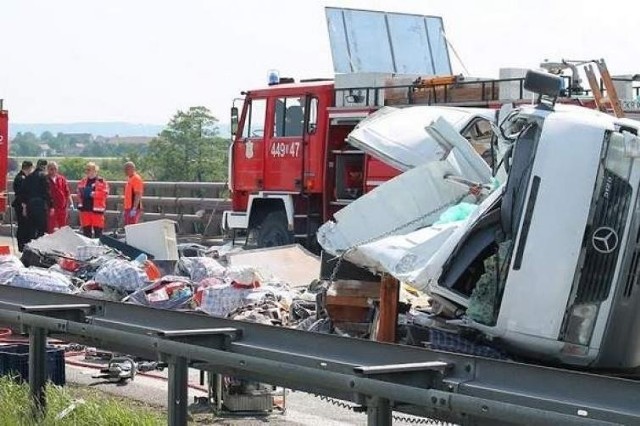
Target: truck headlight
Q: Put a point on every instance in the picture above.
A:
(580, 325)
(631, 144)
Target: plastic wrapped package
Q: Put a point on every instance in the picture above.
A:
(42, 279)
(9, 267)
(169, 292)
(220, 300)
(244, 276)
(121, 275)
(91, 251)
(199, 268)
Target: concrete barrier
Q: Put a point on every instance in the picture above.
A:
(196, 206)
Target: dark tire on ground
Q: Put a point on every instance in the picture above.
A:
(274, 231)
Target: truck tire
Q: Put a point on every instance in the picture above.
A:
(274, 231)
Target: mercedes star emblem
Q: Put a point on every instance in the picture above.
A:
(605, 240)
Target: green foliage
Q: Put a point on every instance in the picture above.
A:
(189, 149)
(110, 168)
(16, 408)
(26, 144)
(72, 168)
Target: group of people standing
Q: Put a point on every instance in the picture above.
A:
(43, 199)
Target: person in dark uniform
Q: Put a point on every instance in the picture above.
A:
(37, 200)
(23, 232)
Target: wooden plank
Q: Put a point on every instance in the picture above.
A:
(612, 94)
(348, 300)
(388, 319)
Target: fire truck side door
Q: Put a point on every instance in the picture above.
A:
(284, 158)
(248, 149)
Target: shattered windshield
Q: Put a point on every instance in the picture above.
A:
(479, 266)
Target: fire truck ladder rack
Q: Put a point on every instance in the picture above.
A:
(380, 378)
(479, 93)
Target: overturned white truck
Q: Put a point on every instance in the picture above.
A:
(546, 263)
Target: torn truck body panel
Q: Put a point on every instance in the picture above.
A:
(440, 181)
(402, 256)
(380, 212)
(397, 136)
(548, 270)
(418, 257)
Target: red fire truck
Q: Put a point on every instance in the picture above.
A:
(4, 152)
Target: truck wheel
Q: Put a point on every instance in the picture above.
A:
(274, 231)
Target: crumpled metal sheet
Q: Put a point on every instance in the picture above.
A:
(417, 257)
(397, 136)
(415, 198)
(291, 264)
(391, 229)
(402, 200)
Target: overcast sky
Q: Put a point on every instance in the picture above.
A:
(141, 60)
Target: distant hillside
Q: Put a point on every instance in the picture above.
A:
(106, 129)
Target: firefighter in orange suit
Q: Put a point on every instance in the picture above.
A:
(92, 201)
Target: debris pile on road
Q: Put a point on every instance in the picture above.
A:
(67, 262)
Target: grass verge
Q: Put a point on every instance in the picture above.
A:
(72, 405)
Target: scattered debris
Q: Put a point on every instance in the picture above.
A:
(119, 369)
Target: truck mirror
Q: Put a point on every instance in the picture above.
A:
(234, 120)
(543, 84)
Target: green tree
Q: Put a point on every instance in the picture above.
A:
(188, 149)
(72, 168)
(25, 144)
(47, 137)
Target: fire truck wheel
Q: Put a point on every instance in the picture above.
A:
(273, 231)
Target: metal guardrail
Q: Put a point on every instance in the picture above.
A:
(379, 377)
(171, 189)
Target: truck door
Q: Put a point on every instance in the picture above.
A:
(248, 149)
(285, 144)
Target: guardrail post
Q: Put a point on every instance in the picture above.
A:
(178, 391)
(37, 368)
(379, 412)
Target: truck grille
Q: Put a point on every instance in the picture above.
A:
(603, 239)
(634, 266)
(633, 274)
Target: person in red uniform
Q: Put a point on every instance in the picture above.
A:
(61, 199)
(92, 201)
(132, 194)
